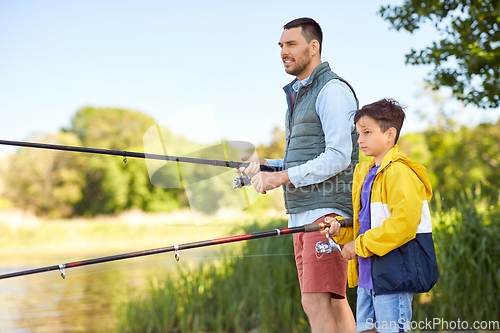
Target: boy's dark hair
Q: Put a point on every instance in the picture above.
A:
(386, 112)
(310, 29)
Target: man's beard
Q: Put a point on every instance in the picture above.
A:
(299, 67)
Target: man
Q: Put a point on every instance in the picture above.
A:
(321, 152)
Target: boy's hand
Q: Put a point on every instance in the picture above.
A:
(349, 250)
(334, 229)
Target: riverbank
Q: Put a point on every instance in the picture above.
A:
(25, 238)
(86, 300)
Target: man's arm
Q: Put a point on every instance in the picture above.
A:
(334, 103)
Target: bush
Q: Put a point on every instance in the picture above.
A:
(467, 240)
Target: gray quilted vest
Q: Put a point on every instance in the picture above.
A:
(306, 140)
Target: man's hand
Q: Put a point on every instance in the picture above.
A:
(262, 181)
(266, 181)
(253, 168)
(349, 250)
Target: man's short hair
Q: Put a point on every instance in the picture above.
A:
(310, 29)
(386, 112)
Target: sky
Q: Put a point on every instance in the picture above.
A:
(165, 57)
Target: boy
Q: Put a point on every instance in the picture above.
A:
(391, 238)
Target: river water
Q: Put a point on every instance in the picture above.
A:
(86, 300)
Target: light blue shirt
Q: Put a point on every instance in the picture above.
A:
(333, 106)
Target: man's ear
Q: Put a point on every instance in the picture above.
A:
(314, 47)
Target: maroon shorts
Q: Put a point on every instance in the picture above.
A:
(319, 274)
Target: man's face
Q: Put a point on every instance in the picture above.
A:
(294, 52)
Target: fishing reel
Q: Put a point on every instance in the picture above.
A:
(327, 247)
(241, 181)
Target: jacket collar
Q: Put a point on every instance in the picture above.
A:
(391, 156)
(323, 67)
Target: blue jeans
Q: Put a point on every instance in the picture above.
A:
(383, 313)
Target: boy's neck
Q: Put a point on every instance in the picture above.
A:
(380, 158)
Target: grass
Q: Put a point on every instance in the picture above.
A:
(467, 240)
(255, 288)
(253, 291)
(25, 242)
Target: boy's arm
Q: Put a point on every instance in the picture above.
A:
(404, 193)
(345, 236)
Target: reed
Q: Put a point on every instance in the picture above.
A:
(253, 287)
(467, 239)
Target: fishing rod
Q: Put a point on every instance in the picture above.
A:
(239, 182)
(176, 248)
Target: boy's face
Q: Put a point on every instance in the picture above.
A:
(372, 141)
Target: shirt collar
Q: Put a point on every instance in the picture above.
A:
(299, 84)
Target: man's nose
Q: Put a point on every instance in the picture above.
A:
(284, 51)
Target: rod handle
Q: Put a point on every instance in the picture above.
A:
(311, 227)
(270, 168)
(344, 223)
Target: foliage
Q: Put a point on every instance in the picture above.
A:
(63, 184)
(256, 291)
(73, 184)
(210, 188)
(110, 128)
(254, 288)
(467, 241)
(458, 159)
(48, 184)
(84, 238)
(111, 185)
(467, 58)
(276, 150)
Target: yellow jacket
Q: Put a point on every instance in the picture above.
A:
(400, 218)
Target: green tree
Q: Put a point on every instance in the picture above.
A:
(110, 185)
(467, 58)
(110, 128)
(458, 159)
(47, 183)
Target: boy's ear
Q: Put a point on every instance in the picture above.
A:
(391, 134)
